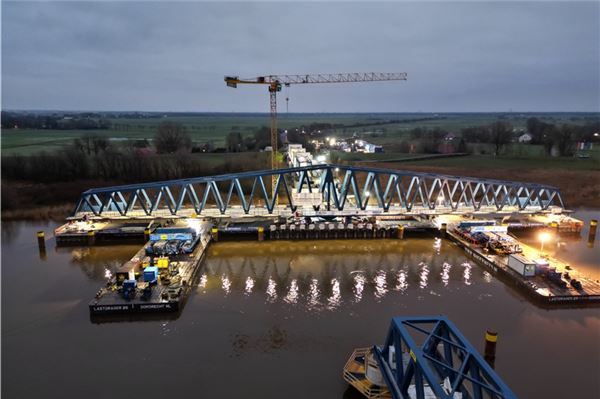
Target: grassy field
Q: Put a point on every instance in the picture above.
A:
(382, 129)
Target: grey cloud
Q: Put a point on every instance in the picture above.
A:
(172, 56)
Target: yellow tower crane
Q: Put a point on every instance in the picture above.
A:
(275, 83)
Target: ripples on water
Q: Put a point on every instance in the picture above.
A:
(330, 280)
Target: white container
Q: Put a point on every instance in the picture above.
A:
(521, 265)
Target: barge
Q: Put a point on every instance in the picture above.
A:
(153, 282)
(91, 232)
(560, 285)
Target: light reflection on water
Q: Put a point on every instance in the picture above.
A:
(402, 281)
(380, 284)
(487, 277)
(271, 290)
(423, 275)
(359, 286)
(226, 284)
(467, 272)
(437, 245)
(335, 299)
(249, 285)
(313, 294)
(325, 276)
(292, 295)
(446, 273)
(203, 281)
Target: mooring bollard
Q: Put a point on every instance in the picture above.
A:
(147, 235)
(91, 235)
(443, 229)
(41, 237)
(491, 337)
(214, 232)
(42, 244)
(261, 233)
(592, 233)
(401, 232)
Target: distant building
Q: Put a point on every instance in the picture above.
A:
(450, 137)
(525, 138)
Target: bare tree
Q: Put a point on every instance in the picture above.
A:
(171, 137)
(500, 134)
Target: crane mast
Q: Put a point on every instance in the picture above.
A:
(275, 83)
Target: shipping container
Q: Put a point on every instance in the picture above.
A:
(521, 265)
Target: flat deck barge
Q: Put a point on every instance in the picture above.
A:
(91, 232)
(541, 289)
(167, 294)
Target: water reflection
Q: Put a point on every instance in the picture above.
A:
(467, 272)
(335, 299)
(202, 282)
(487, 277)
(446, 273)
(402, 281)
(226, 284)
(324, 276)
(359, 286)
(314, 294)
(437, 245)
(292, 295)
(423, 275)
(249, 285)
(380, 284)
(271, 290)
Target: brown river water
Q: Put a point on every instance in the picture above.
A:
(277, 319)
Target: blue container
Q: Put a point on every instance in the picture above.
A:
(129, 284)
(150, 274)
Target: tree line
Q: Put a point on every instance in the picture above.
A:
(562, 138)
(95, 157)
(79, 121)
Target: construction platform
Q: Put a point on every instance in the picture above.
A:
(166, 293)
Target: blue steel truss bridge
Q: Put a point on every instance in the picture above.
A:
(317, 190)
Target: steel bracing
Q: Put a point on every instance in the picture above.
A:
(343, 190)
(429, 355)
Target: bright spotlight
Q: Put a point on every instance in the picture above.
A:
(544, 236)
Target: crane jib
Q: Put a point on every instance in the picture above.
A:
(232, 81)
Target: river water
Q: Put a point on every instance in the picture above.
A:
(276, 319)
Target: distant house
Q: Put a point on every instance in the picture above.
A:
(525, 138)
(450, 137)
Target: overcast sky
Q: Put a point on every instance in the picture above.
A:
(476, 56)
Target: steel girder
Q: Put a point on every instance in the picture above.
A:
(430, 353)
(342, 187)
